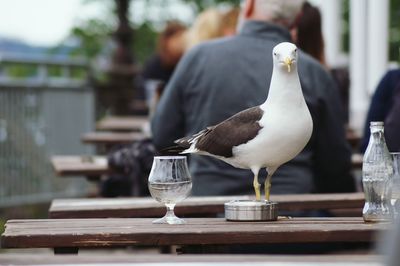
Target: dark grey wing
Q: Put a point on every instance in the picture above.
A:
(236, 130)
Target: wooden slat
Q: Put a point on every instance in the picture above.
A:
(353, 138)
(357, 160)
(201, 231)
(80, 165)
(97, 165)
(147, 207)
(101, 137)
(103, 259)
(127, 123)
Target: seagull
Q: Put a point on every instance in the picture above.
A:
(264, 136)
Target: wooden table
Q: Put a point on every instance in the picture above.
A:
(190, 260)
(111, 138)
(353, 138)
(90, 166)
(122, 123)
(148, 207)
(72, 234)
(97, 165)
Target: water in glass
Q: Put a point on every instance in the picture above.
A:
(169, 183)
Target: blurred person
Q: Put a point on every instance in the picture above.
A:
(392, 123)
(207, 26)
(170, 48)
(219, 78)
(306, 32)
(159, 67)
(230, 21)
(384, 101)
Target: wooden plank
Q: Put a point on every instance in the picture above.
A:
(357, 160)
(113, 232)
(353, 138)
(122, 123)
(148, 207)
(98, 165)
(107, 259)
(111, 137)
(80, 165)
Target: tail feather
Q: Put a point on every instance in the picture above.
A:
(187, 144)
(172, 150)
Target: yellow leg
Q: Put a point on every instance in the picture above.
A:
(267, 187)
(257, 188)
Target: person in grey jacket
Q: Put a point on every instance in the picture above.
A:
(217, 79)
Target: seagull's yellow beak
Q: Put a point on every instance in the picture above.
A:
(288, 62)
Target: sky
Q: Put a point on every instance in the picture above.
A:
(43, 22)
(48, 22)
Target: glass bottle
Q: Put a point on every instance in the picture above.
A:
(395, 199)
(377, 171)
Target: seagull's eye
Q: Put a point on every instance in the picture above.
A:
(275, 54)
(295, 50)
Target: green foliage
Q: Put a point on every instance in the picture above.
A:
(394, 31)
(144, 43)
(20, 71)
(2, 223)
(346, 25)
(93, 35)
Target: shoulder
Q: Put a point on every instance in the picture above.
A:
(394, 73)
(311, 71)
(311, 64)
(218, 45)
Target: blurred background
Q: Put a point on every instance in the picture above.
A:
(65, 64)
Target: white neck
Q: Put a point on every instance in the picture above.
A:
(285, 89)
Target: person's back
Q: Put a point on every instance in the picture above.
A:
(392, 122)
(220, 78)
(381, 103)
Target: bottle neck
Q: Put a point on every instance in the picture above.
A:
(377, 133)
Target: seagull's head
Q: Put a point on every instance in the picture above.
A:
(285, 56)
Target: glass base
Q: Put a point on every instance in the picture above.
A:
(169, 220)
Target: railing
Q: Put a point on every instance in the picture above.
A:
(45, 105)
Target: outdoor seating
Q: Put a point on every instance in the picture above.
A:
(73, 234)
(199, 133)
(196, 206)
(133, 259)
(111, 138)
(126, 123)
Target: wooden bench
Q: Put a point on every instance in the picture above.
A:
(89, 166)
(111, 138)
(194, 260)
(97, 165)
(353, 138)
(71, 234)
(122, 123)
(148, 207)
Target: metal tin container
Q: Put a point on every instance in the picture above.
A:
(251, 210)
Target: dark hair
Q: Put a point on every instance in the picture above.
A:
(171, 29)
(309, 32)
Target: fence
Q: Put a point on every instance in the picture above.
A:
(45, 106)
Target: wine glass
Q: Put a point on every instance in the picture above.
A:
(169, 183)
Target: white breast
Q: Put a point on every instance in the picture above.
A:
(286, 131)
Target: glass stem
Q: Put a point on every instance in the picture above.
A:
(170, 210)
